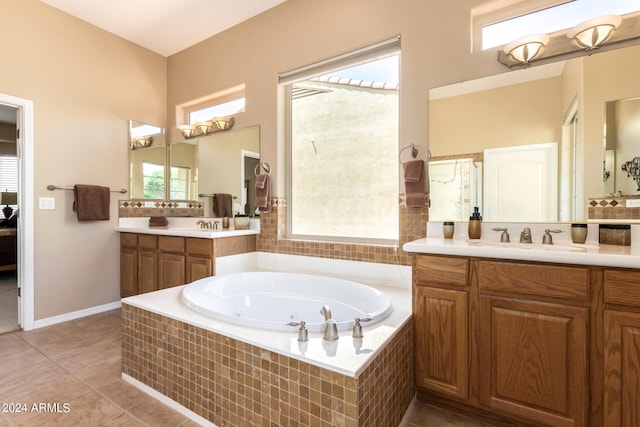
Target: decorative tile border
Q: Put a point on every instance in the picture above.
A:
(612, 208)
(232, 383)
(131, 208)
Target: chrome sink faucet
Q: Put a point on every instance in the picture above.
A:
(504, 237)
(204, 224)
(330, 326)
(547, 239)
(525, 235)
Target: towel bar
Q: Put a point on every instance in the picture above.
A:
(57, 187)
(213, 195)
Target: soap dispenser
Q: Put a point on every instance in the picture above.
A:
(475, 224)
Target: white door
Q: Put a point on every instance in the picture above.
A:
(521, 183)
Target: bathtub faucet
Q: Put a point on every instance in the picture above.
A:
(330, 326)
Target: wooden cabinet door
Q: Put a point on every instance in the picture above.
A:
(441, 340)
(147, 271)
(198, 268)
(621, 369)
(171, 270)
(533, 360)
(128, 272)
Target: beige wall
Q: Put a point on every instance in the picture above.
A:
(85, 85)
(435, 51)
(496, 118)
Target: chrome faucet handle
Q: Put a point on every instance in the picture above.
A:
(504, 237)
(303, 332)
(357, 327)
(547, 239)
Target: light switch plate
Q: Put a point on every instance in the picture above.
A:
(46, 203)
(633, 203)
(149, 204)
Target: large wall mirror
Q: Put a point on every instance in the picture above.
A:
(147, 160)
(222, 162)
(531, 145)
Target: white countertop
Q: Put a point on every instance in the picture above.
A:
(185, 227)
(562, 251)
(347, 355)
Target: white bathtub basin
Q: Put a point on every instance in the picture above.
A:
(271, 300)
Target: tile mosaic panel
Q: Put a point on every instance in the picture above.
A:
(131, 208)
(232, 383)
(616, 208)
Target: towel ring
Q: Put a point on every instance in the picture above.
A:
(414, 151)
(265, 166)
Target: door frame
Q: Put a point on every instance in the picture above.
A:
(25, 262)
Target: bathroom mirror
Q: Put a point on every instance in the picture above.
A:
(222, 162)
(561, 103)
(147, 160)
(622, 137)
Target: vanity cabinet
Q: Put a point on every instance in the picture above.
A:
(151, 262)
(441, 333)
(510, 339)
(622, 348)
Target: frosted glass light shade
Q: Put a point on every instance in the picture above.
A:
(525, 49)
(592, 33)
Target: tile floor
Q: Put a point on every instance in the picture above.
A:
(8, 302)
(74, 367)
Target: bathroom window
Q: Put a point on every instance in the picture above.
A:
(225, 103)
(494, 28)
(342, 125)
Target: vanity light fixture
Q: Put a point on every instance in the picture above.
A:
(141, 142)
(205, 127)
(524, 49)
(594, 32)
(188, 131)
(214, 125)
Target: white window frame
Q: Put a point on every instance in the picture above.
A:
(286, 80)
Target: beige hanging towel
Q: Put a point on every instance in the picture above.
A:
(91, 202)
(263, 192)
(414, 183)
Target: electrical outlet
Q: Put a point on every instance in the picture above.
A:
(633, 203)
(149, 204)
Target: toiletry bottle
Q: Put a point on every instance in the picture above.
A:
(225, 220)
(475, 223)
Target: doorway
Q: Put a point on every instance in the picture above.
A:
(17, 261)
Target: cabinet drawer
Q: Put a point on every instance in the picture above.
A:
(171, 244)
(199, 246)
(622, 287)
(129, 240)
(451, 271)
(535, 280)
(147, 241)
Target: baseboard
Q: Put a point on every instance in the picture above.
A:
(167, 401)
(48, 321)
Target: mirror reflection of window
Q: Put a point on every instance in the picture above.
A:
(153, 180)
(180, 180)
(455, 188)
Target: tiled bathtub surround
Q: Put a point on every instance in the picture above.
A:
(232, 383)
(614, 208)
(412, 227)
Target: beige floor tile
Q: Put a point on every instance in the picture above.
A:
(11, 343)
(155, 413)
(422, 415)
(123, 394)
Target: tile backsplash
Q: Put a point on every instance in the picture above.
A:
(614, 208)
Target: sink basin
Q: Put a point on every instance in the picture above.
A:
(558, 246)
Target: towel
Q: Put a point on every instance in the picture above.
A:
(415, 187)
(91, 202)
(263, 192)
(158, 221)
(222, 202)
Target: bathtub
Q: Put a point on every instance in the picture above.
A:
(273, 300)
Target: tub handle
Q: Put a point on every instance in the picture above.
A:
(357, 327)
(303, 332)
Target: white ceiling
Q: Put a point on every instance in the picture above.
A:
(164, 26)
